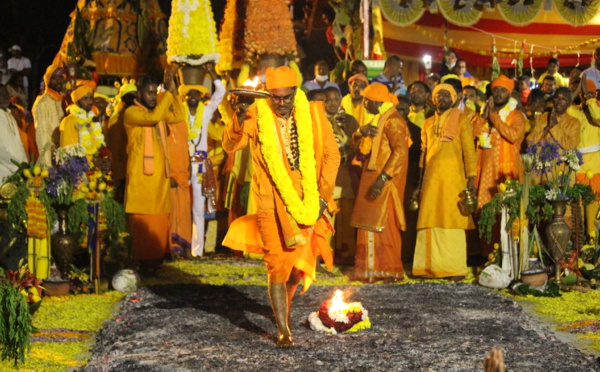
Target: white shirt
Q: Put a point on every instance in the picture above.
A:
(20, 64)
(209, 111)
(11, 147)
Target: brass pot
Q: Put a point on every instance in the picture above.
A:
(468, 202)
(413, 204)
(192, 75)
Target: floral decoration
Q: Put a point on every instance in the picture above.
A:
(268, 29)
(306, 211)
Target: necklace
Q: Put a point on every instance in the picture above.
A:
(305, 211)
(90, 132)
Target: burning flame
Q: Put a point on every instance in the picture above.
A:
(337, 301)
(251, 83)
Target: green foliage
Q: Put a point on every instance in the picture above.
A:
(552, 290)
(581, 191)
(115, 217)
(78, 218)
(539, 208)
(489, 212)
(15, 323)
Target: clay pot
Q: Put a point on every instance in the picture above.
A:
(56, 287)
(534, 279)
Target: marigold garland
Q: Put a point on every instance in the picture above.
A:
(305, 212)
(268, 29)
(85, 121)
(195, 130)
(37, 221)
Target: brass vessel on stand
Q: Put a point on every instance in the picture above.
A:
(558, 234)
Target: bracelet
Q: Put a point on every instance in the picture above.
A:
(384, 176)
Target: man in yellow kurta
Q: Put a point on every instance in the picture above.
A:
(295, 160)
(588, 114)
(116, 138)
(448, 159)
(48, 112)
(557, 125)
(378, 212)
(500, 131)
(352, 103)
(81, 125)
(147, 194)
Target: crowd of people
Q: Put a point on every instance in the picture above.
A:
(323, 156)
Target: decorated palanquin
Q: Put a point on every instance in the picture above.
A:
(122, 37)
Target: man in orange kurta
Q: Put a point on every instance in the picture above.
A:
(295, 159)
(378, 211)
(449, 162)
(500, 131)
(557, 125)
(147, 193)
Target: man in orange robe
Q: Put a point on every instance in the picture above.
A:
(147, 193)
(378, 212)
(295, 159)
(500, 131)
(449, 166)
(557, 125)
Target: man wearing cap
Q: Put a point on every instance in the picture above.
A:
(147, 195)
(557, 125)
(198, 117)
(18, 63)
(48, 112)
(295, 159)
(448, 166)
(378, 211)
(352, 103)
(500, 130)
(81, 125)
(116, 137)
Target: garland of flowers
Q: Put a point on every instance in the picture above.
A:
(305, 212)
(485, 139)
(85, 121)
(196, 128)
(367, 142)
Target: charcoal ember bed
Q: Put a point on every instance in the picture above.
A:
(420, 327)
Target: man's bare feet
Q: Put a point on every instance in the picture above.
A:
(285, 341)
(494, 362)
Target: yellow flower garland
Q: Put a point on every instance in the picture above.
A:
(305, 212)
(195, 130)
(85, 121)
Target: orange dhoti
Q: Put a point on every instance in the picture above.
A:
(150, 234)
(379, 254)
(262, 234)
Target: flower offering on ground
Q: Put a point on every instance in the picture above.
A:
(336, 316)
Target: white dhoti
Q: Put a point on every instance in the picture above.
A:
(198, 203)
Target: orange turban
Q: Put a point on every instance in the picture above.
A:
(504, 81)
(281, 77)
(359, 77)
(380, 93)
(591, 85)
(81, 91)
(51, 71)
(446, 87)
(185, 89)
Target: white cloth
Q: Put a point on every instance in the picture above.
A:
(593, 74)
(198, 198)
(20, 64)
(11, 147)
(47, 114)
